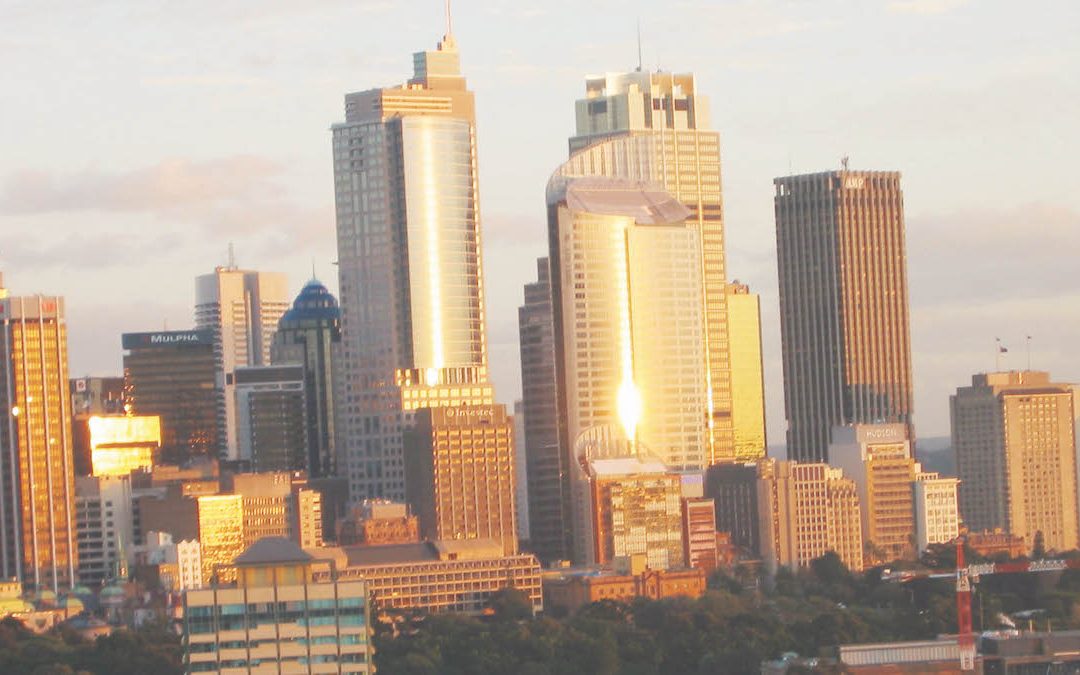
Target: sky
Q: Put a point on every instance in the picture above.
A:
(137, 140)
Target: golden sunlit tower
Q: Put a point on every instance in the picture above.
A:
(37, 492)
(654, 126)
(843, 304)
(412, 292)
(747, 376)
(1014, 438)
(628, 326)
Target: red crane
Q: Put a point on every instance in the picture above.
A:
(965, 576)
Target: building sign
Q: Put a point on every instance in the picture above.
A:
(854, 182)
(173, 338)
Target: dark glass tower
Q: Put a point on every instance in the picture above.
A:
(309, 334)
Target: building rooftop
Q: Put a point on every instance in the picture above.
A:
(626, 466)
(272, 551)
(428, 551)
(646, 203)
(314, 302)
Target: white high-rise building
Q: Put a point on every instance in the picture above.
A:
(105, 523)
(242, 308)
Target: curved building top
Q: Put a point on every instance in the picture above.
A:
(314, 301)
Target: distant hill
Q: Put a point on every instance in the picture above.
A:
(936, 454)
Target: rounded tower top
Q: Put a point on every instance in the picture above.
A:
(314, 301)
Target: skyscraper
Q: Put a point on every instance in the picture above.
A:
(459, 474)
(843, 304)
(654, 127)
(310, 334)
(747, 374)
(546, 464)
(1014, 438)
(412, 292)
(628, 323)
(37, 489)
(242, 309)
(172, 374)
(628, 326)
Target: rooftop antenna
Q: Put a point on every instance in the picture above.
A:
(639, 44)
(844, 162)
(232, 257)
(313, 268)
(1029, 352)
(449, 19)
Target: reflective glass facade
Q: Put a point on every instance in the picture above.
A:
(37, 493)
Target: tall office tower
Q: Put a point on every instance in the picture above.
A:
(546, 465)
(937, 509)
(37, 488)
(654, 127)
(733, 487)
(843, 304)
(459, 474)
(1014, 438)
(105, 523)
(806, 511)
(628, 326)
(271, 420)
(878, 458)
(171, 374)
(747, 374)
(242, 309)
(310, 334)
(412, 292)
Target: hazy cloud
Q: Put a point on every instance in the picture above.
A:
(925, 6)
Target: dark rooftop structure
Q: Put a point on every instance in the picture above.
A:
(272, 551)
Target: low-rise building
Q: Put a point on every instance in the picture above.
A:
(996, 543)
(569, 590)
(436, 576)
(377, 521)
(937, 515)
(278, 618)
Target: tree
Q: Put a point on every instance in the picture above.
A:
(1038, 549)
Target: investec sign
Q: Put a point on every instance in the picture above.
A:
(172, 338)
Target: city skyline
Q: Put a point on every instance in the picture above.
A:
(214, 174)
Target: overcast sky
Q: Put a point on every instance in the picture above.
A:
(137, 139)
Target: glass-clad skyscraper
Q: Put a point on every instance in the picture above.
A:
(412, 298)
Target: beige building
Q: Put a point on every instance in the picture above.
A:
(459, 474)
(1014, 437)
(37, 484)
(436, 576)
(843, 304)
(747, 375)
(278, 618)
(878, 458)
(806, 511)
(654, 126)
(937, 509)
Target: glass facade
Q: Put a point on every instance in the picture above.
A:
(443, 242)
(38, 495)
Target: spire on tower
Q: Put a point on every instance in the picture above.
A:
(449, 20)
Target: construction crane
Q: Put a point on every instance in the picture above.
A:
(965, 576)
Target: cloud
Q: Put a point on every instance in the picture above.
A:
(238, 196)
(1027, 252)
(925, 6)
(87, 252)
(166, 186)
